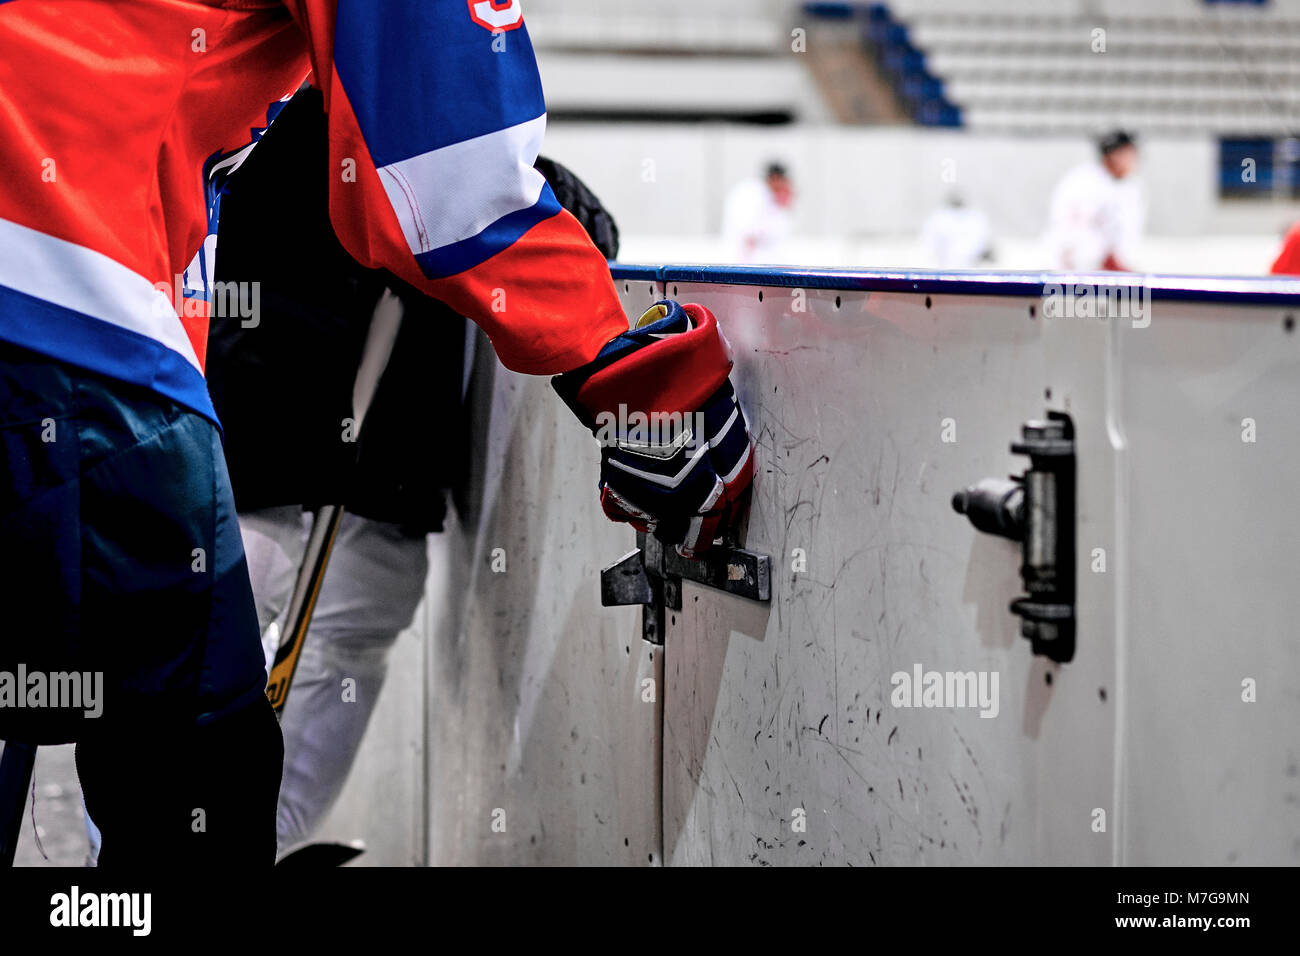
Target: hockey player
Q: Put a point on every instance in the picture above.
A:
(1098, 211)
(121, 552)
(757, 217)
(284, 390)
(957, 236)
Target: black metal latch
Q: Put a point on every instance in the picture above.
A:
(1037, 509)
(652, 574)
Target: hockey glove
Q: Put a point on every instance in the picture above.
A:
(676, 455)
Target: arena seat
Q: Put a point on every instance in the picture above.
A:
(1170, 65)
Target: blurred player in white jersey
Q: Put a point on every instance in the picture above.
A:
(758, 216)
(957, 236)
(1098, 211)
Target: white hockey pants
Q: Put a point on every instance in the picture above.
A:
(372, 587)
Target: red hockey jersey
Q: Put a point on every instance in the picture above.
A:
(1288, 259)
(114, 115)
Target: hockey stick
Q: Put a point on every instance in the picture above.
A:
(311, 572)
(302, 603)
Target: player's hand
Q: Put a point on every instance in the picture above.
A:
(677, 458)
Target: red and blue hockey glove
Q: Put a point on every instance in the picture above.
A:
(676, 455)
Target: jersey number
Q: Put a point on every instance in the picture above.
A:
(497, 14)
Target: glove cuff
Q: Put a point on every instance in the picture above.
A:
(677, 372)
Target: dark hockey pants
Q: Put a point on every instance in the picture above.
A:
(121, 565)
(203, 795)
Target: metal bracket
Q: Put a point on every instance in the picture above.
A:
(652, 575)
(1037, 509)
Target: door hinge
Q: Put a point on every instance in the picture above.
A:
(1037, 509)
